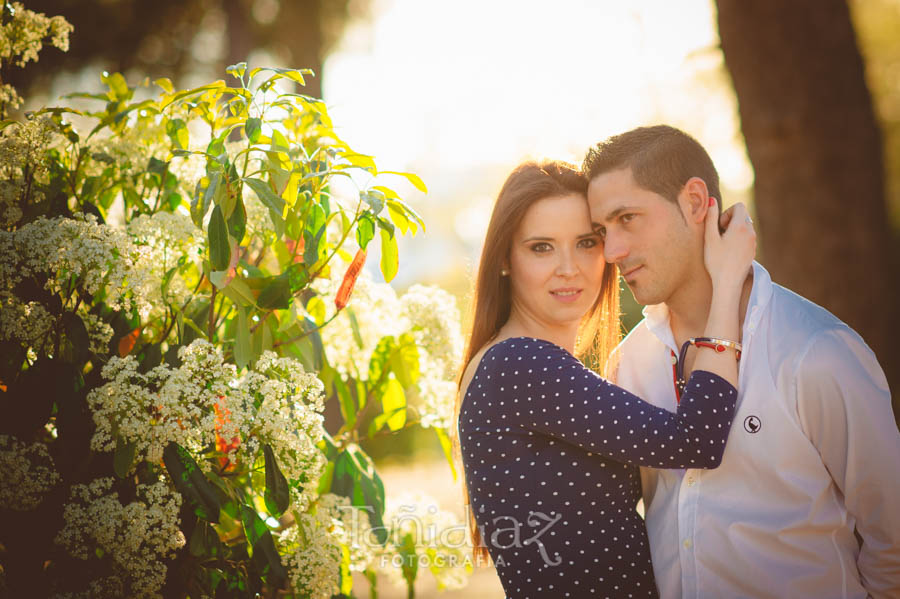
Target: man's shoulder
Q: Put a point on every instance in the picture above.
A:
(808, 339)
(639, 334)
(790, 311)
(634, 353)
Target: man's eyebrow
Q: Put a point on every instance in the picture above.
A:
(612, 215)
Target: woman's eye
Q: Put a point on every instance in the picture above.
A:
(627, 218)
(541, 247)
(588, 242)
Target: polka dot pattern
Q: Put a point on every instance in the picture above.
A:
(550, 452)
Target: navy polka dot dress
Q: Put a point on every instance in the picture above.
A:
(550, 452)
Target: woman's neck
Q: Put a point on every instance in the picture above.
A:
(521, 325)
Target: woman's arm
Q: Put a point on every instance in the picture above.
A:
(727, 257)
(539, 386)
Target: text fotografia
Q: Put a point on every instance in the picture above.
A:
(447, 547)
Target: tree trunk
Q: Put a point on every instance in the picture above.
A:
(812, 137)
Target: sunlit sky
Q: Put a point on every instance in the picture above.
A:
(461, 92)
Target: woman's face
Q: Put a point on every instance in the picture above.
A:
(556, 262)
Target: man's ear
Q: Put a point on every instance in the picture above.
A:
(693, 199)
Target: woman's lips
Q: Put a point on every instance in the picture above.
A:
(567, 294)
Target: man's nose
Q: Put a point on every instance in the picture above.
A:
(615, 248)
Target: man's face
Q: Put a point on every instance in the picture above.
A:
(645, 235)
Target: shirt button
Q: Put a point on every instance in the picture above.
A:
(690, 481)
(687, 544)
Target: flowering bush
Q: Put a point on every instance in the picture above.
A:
(182, 293)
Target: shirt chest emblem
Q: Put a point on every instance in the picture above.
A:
(752, 424)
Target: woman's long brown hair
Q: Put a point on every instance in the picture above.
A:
(598, 332)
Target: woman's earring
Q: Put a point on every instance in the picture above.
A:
(504, 272)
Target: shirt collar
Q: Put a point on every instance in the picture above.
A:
(656, 316)
(760, 294)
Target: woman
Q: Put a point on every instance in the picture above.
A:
(550, 450)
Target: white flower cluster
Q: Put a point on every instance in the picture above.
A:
(435, 319)
(130, 149)
(168, 240)
(99, 333)
(108, 587)
(280, 404)
(311, 554)
(277, 403)
(27, 323)
(76, 251)
(28, 473)
(429, 313)
(352, 527)
(22, 36)
(137, 537)
(441, 540)
(161, 406)
(377, 313)
(22, 147)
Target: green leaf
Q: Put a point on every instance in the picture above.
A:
(177, 131)
(191, 483)
(414, 179)
(365, 230)
(199, 205)
(361, 161)
(278, 493)
(205, 541)
(237, 222)
(166, 84)
(375, 200)
(155, 165)
(277, 223)
(279, 141)
(265, 194)
(118, 88)
(219, 248)
(410, 562)
(242, 349)
(405, 360)
(262, 340)
(239, 292)
(448, 449)
(348, 406)
(261, 546)
(77, 347)
(253, 128)
(276, 295)
(354, 327)
(379, 363)
(314, 235)
(393, 403)
(123, 457)
(316, 308)
(399, 218)
(216, 149)
(389, 257)
(237, 70)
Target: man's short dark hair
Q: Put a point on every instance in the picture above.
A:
(661, 159)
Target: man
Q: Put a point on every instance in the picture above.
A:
(806, 502)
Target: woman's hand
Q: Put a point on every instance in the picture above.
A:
(728, 255)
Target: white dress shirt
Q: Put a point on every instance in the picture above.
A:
(813, 454)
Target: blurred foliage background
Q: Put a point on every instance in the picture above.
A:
(798, 103)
